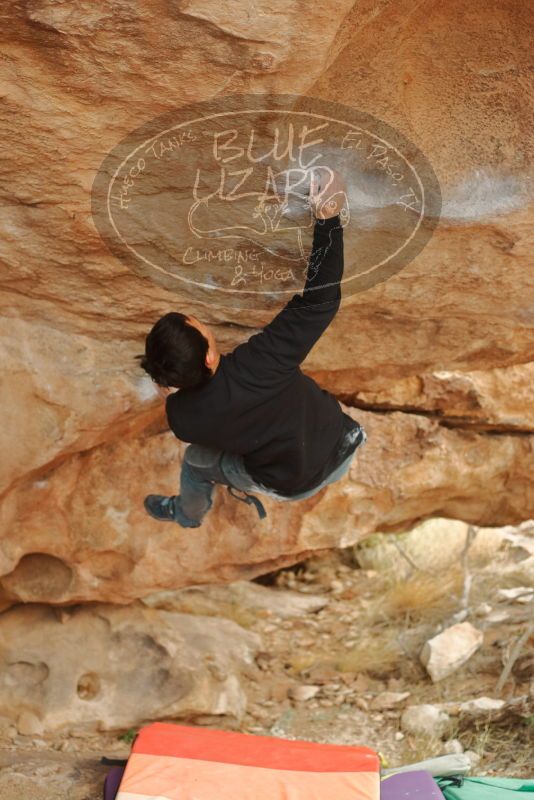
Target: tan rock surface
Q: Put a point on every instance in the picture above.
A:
(449, 337)
(61, 60)
(434, 546)
(449, 650)
(109, 668)
(83, 534)
(496, 399)
(237, 598)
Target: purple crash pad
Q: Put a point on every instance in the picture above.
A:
(410, 786)
(112, 782)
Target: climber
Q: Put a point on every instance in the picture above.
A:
(254, 422)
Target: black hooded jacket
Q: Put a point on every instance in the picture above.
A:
(259, 403)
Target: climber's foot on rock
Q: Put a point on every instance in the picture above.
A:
(167, 509)
(160, 507)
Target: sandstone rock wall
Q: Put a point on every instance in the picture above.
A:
(435, 361)
(140, 664)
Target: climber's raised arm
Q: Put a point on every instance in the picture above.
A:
(286, 341)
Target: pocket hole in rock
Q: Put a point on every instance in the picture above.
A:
(88, 686)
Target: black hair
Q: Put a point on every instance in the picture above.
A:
(175, 353)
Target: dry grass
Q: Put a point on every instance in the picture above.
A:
(416, 749)
(422, 597)
(378, 656)
(506, 748)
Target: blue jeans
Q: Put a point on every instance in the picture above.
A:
(203, 467)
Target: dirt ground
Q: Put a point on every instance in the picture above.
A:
(363, 644)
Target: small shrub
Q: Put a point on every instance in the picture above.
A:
(128, 736)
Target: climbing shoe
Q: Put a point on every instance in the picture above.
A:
(168, 509)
